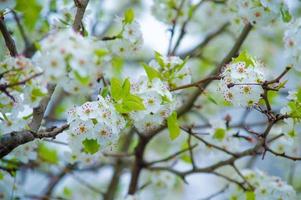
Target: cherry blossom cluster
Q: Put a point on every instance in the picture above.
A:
(260, 12)
(128, 41)
(292, 44)
(158, 101)
(75, 65)
(241, 79)
(94, 127)
(171, 11)
(23, 89)
(173, 70)
(265, 187)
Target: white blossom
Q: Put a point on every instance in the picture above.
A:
(240, 83)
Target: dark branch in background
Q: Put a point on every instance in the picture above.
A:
(21, 29)
(216, 193)
(80, 12)
(55, 180)
(197, 84)
(173, 29)
(196, 51)
(183, 28)
(9, 41)
(118, 167)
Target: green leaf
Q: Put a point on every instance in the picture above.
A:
(31, 10)
(125, 102)
(159, 59)
(211, 99)
(173, 126)
(67, 192)
(37, 92)
(299, 95)
(116, 89)
(101, 52)
(105, 92)
(250, 195)
(91, 146)
(292, 133)
(244, 57)
(52, 5)
(129, 16)
(151, 72)
(219, 133)
(126, 88)
(185, 157)
(48, 155)
(1, 175)
(133, 103)
(286, 16)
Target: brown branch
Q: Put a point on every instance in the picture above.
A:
(10, 141)
(172, 156)
(9, 41)
(173, 29)
(195, 51)
(209, 144)
(21, 29)
(183, 28)
(197, 84)
(81, 8)
(241, 185)
(282, 154)
(55, 180)
(216, 193)
(277, 79)
(118, 167)
(52, 133)
(38, 112)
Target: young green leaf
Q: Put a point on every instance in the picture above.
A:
(151, 72)
(250, 195)
(159, 59)
(104, 92)
(116, 89)
(129, 16)
(31, 10)
(219, 134)
(91, 146)
(48, 155)
(134, 103)
(126, 87)
(286, 16)
(173, 126)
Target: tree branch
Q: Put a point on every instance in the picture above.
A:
(81, 8)
(9, 41)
